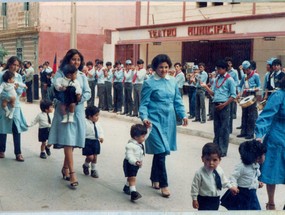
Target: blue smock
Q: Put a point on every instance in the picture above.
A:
(160, 100)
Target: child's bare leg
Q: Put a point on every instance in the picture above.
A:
(43, 146)
(94, 171)
(63, 112)
(4, 103)
(71, 109)
(134, 194)
(12, 101)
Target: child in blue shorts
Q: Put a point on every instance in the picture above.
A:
(94, 137)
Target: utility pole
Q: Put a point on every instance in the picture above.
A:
(73, 34)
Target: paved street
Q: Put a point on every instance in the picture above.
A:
(36, 184)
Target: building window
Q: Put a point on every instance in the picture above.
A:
(201, 4)
(4, 9)
(217, 3)
(26, 6)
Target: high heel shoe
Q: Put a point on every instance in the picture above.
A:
(165, 192)
(64, 175)
(74, 184)
(155, 185)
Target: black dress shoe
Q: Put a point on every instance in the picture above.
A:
(123, 113)
(196, 120)
(134, 115)
(241, 135)
(202, 122)
(209, 119)
(190, 117)
(248, 137)
(126, 190)
(238, 127)
(135, 195)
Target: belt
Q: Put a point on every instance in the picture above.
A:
(218, 103)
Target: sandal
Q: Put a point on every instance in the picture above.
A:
(155, 185)
(64, 175)
(270, 206)
(20, 158)
(74, 184)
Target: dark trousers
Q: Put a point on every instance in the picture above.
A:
(231, 116)
(249, 116)
(92, 85)
(192, 100)
(211, 108)
(16, 139)
(128, 89)
(43, 92)
(29, 91)
(158, 170)
(137, 97)
(234, 110)
(200, 110)
(101, 95)
(118, 96)
(208, 203)
(108, 95)
(221, 128)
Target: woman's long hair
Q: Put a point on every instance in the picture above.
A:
(10, 62)
(69, 55)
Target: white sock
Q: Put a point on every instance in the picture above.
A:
(93, 166)
(6, 109)
(86, 164)
(71, 114)
(133, 188)
(11, 114)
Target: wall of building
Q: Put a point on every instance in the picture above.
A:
(169, 12)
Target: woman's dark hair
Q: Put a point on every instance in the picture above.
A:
(45, 104)
(161, 58)
(8, 75)
(250, 151)
(11, 60)
(138, 130)
(210, 149)
(91, 111)
(69, 69)
(222, 64)
(68, 56)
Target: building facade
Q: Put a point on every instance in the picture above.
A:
(244, 31)
(36, 31)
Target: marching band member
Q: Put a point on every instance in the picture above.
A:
(249, 85)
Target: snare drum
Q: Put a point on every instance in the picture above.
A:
(247, 101)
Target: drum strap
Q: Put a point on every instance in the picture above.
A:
(225, 78)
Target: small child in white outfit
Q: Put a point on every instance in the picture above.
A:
(68, 92)
(8, 92)
(133, 158)
(44, 121)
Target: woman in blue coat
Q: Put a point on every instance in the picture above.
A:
(70, 135)
(160, 101)
(270, 125)
(17, 124)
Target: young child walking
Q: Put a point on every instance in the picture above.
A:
(133, 159)
(44, 121)
(8, 92)
(68, 92)
(209, 180)
(94, 137)
(245, 176)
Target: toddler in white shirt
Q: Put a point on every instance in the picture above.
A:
(8, 92)
(68, 92)
(133, 158)
(209, 180)
(44, 121)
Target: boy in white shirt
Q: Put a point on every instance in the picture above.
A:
(44, 121)
(8, 92)
(69, 92)
(133, 159)
(94, 137)
(209, 180)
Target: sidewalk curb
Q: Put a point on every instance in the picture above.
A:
(183, 130)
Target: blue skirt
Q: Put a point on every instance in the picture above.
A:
(246, 199)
